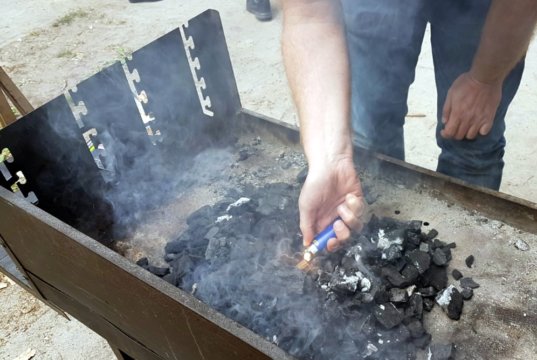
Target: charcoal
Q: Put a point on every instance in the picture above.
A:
(243, 154)
(451, 302)
(414, 307)
(441, 352)
(143, 262)
(456, 274)
(158, 271)
(388, 315)
(398, 295)
(323, 279)
(422, 341)
(382, 296)
(415, 226)
(399, 264)
(392, 253)
(211, 233)
(172, 278)
(200, 218)
(439, 257)
(349, 263)
(243, 223)
(452, 245)
(467, 293)
(410, 274)
(170, 257)
(367, 298)
(419, 259)
(397, 335)
(438, 244)
(468, 282)
(412, 241)
(428, 304)
(432, 234)
(217, 249)
(175, 247)
(344, 282)
(182, 265)
(240, 256)
(470, 261)
(416, 329)
(424, 247)
(427, 291)
(393, 276)
(329, 266)
(436, 277)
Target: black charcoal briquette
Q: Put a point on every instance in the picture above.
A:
(470, 261)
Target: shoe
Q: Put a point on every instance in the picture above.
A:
(260, 8)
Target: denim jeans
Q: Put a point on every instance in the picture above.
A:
(384, 39)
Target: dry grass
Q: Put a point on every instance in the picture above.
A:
(70, 17)
(66, 54)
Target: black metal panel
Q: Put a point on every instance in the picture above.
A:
(166, 79)
(215, 65)
(48, 147)
(112, 111)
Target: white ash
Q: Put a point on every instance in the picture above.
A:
(384, 243)
(429, 354)
(223, 218)
(445, 297)
(410, 290)
(371, 349)
(365, 285)
(241, 201)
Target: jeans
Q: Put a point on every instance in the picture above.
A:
(384, 39)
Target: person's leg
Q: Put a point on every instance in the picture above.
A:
(384, 39)
(455, 34)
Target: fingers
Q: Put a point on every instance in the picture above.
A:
(472, 132)
(452, 125)
(351, 211)
(343, 233)
(485, 129)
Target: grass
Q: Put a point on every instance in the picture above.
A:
(70, 17)
(66, 54)
(123, 53)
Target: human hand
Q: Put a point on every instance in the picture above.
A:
(470, 108)
(333, 190)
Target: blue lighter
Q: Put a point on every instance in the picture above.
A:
(319, 244)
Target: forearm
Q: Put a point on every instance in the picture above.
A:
(317, 67)
(504, 40)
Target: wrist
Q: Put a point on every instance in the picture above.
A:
(321, 164)
(482, 77)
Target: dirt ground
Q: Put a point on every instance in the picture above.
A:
(47, 47)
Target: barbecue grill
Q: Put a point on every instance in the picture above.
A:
(67, 167)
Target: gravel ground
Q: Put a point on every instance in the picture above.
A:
(48, 47)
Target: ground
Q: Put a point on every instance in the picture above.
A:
(47, 47)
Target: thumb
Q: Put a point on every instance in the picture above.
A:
(307, 229)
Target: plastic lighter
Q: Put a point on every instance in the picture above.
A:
(319, 244)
